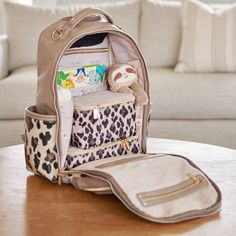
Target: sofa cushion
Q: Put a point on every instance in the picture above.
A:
(209, 38)
(217, 132)
(18, 91)
(160, 32)
(24, 24)
(192, 95)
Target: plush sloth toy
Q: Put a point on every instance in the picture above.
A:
(123, 78)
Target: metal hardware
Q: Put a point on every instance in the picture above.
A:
(125, 144)
(60, 178)
(57, 34)
(96, 112)
(98, 189)
(195, 179)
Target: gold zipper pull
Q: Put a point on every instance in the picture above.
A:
(195, 179)
(127, 144)
(123, 144)
(96, 112)
(59, 178)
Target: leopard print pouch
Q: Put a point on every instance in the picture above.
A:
(105, 117)
(77, 156)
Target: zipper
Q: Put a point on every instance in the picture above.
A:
(96, 108)
(127, 160)
(192, 184)
(75, 171)
(85, 50)
(145, 81)
(102, 105)
(122, 142)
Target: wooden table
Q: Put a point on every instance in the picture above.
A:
(31, 205)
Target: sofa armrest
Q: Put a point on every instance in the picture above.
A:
(3, 56)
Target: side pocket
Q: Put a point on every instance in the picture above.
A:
(40, 144)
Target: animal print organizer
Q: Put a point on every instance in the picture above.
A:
(104, 125)
(101, 118)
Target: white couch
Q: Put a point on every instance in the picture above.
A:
(191, 106)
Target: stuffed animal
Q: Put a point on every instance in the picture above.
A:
(123, 78)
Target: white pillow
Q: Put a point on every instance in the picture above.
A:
(25, 23)
(160, 33)
(209, 38)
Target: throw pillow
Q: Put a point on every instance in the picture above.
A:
(209, 38)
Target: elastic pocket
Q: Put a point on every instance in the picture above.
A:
(75, 58)
(78, 156)
(160, 196)
(40, 144)
(101, 122)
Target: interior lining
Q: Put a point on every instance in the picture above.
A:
(120, 51)
(171, 170)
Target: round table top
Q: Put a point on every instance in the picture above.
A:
(31, 205)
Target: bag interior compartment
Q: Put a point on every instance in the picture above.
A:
(93, 41)
(40, 144)
(120, 147)
(75, 58)
(101, 118)
(83, 67)
(83, 71)
(83, 81)
(84, 52)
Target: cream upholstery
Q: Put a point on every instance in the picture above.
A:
(17, 91)
(192, 95)
(208, 40)
(3, 56)
(23, 40)
(192, 106)
(219, 132)
(11, 131)
(160, 32)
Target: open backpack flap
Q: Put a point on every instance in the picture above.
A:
(164, 188)
(89, 125)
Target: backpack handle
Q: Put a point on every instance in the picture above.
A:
(77, 18)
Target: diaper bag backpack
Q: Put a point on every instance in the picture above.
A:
(89, 125)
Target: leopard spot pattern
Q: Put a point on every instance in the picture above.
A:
(40, 147)
(119, 121)
(107, 152)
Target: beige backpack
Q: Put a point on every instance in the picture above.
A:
(90, 121)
